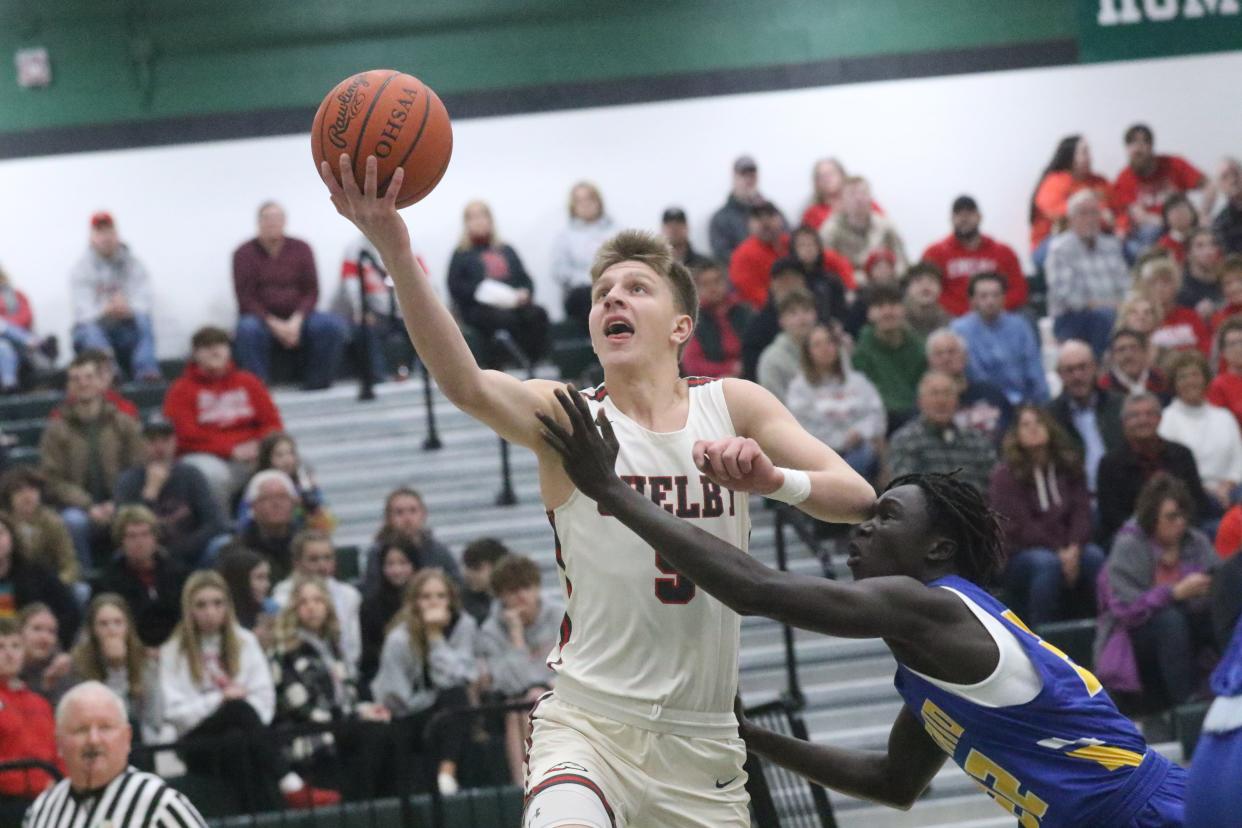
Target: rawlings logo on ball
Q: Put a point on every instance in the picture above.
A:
(351, 105)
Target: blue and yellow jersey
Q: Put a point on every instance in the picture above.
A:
(1065, 758)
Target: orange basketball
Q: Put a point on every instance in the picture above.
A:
(393, 116)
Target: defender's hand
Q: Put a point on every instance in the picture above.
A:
(737, 463)
(588, 453)
(375, 215)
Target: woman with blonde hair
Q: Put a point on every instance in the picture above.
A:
(1158, 279)
(490, 285)
(216, 682)
(427, 664)
(315, 684)
(108, 650)
(575, 248)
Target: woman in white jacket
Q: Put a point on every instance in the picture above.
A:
(575, 248)
(216, 682)
(837, 404)
(426, 666)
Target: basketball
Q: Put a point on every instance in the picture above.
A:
(393, 116)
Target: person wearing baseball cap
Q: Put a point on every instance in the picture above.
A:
(731, 223)
(111, 294)
(675, 228)
(966, 252)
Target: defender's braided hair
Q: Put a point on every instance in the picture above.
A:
(957, 509)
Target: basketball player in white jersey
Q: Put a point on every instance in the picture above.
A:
(640, 729)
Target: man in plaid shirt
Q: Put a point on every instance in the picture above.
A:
(1087, 275)
(932, 442)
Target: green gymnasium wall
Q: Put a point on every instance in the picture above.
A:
(132, 72)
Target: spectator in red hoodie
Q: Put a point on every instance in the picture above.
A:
(750, 267)
(1143, 186)
(967, 252)
(220, 414)
(277, 292)
(27, 728)
(715, 350)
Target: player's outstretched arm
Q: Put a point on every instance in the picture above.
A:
(770, 437)
(895, 608)
(502, 402)
(895, 777)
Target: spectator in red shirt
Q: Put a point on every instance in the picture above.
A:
(220, 414)
(27, 728)
(968, 252)
(277, 291)
(828, 182)
(1068, 172)
(750, 268)
(1225, 389)
(715, 350)
(1180, 219)
(1141, 188)
(1179, 328)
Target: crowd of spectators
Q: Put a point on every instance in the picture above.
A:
(187, 559)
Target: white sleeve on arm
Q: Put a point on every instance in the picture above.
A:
(255, 675)
(138, 291)
(452, 659)
(185, 704)
(86, 306)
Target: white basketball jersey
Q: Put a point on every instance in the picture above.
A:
(640, 643)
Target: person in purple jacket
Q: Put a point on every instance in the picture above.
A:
(277, 290)
(1041, 488)
(1155, 635)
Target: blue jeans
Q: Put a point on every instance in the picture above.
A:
(130, 342)
(1036, 588)
(10, 362)
(863, 459)
(322, 346)
(78, 522)
(1093, 326)
(1140, 239)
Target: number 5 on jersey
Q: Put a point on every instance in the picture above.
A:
(674, 589)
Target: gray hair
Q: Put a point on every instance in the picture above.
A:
(944, 333)
(268, 475)
(91, 689)
(1079, 200)
(1141, 397)
(1073, 345)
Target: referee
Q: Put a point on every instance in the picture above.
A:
(102, 790)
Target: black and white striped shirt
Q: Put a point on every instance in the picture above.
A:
(133, 800)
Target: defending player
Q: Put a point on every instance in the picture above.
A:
(1037, 731)
(640, 729)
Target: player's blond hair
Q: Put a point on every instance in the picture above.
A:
(654, 252)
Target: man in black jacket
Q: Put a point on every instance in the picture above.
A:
(144, 575)
(1142, 453)
(1089, 415)
(192, 527)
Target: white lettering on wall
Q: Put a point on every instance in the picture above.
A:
(1114, 12)
(1200, 8)
(1126, 12)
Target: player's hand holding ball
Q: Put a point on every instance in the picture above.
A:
(588, 450)
(739, 464)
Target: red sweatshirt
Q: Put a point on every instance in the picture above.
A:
(1171, 174)
(959, 263)
(750, 268)
(27, 731)
(215, 414)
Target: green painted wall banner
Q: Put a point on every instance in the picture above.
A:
(1128, 29)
